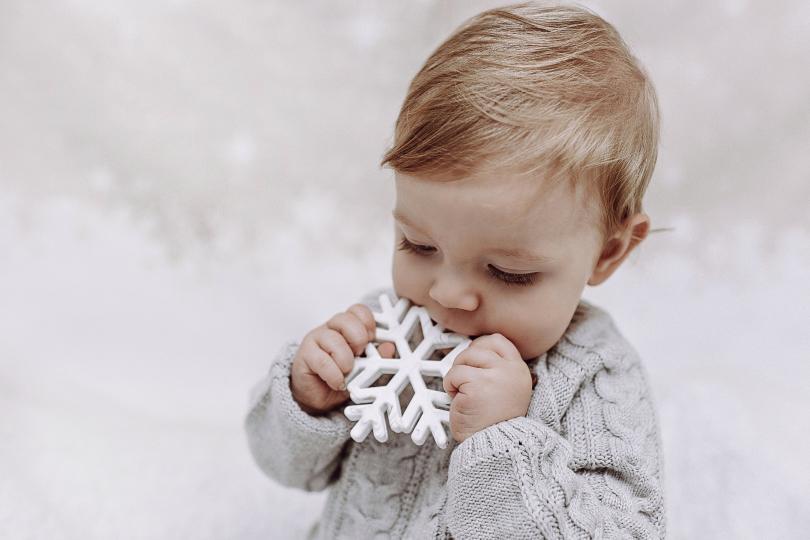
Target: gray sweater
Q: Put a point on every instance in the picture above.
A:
(585, 461)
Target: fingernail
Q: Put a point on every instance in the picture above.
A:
(343, 386)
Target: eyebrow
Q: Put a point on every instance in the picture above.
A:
(517, 253)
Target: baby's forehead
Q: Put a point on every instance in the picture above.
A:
(504, 200)
(525, 194)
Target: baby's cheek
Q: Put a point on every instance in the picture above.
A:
(537, 342)
(407, 279)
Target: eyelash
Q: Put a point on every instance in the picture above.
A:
(504, 277)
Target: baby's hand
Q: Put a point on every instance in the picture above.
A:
(326, 355)
(489, 382)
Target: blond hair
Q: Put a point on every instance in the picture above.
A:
(534, 87)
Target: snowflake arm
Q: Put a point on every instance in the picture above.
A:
(424, 350)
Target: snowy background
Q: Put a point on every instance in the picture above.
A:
(185, 184)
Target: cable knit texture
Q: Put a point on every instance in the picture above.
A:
(585, 461)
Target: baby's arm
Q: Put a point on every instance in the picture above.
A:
(290, 445)
(521, 479)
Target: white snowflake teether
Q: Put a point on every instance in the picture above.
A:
(377, 385)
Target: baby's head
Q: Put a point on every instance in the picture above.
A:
(521, 155)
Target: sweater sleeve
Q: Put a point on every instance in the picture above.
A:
(522, 478)
(291, 446)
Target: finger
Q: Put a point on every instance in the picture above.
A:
(387, 349)
(322, 364)
(457, 377)
(335, 344)
(363, 312)
(497, 343)
(477, 357)
(352, 330)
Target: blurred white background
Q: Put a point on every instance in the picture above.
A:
(186, 184)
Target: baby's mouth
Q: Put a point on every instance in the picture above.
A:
(438, 322)
(448, 328)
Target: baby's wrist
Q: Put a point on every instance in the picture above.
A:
(308, 408)
(313, 411)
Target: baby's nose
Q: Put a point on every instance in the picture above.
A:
(453, 296)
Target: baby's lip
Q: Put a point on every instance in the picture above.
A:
(449, 328)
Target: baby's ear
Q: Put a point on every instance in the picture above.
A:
(619, 246)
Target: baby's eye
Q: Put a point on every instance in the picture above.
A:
(504, 277)
(406, 245)
(512, 279)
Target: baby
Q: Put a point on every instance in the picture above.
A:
(521, 155)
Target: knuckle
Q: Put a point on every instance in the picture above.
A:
(345, 364)
(331, 337)
(315, 333)
(342, 351)
(353, 328)
(319, 362)
(322, 360)
(360, 310)
(336, 320)
(323, 334)
(358, 333)
(363, 313)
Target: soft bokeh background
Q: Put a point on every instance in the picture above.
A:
(186, 184)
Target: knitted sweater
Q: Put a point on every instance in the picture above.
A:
(585, 461)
